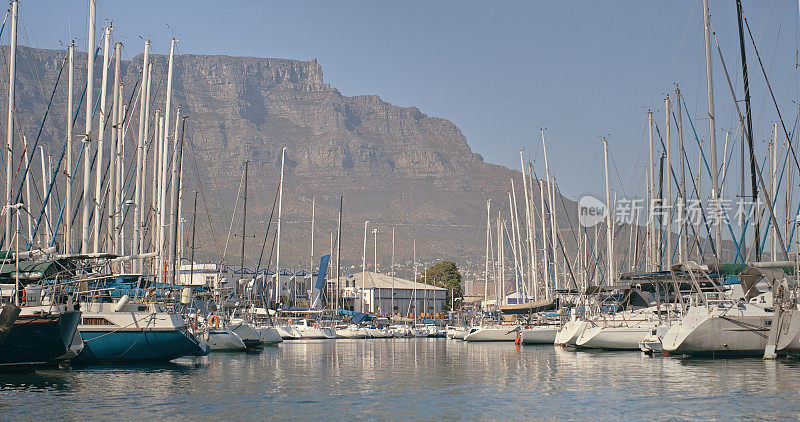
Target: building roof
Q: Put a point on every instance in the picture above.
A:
(384, 281)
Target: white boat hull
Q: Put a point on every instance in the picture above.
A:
(543, 334)
(569, 333)
(713, 331)
(269, 335)
(613, 338)
(223, 340)
(493, 333)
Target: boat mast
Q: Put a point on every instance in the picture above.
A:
(101, 126)
(609, 231)
(749, 133)
(668, 201)
(68, 169)
(712, 134)
(338, 250)
(548, 292)
(392, 312)
(553, 228)
(529, 229)
(12, 76)
(163, 163)
(244, 223)
(364, 270)
(311, 270)
(415, 281)
(278, 234)
(515, 216)
(28, 189)
(115, 123)
(45, 178)
(651, 224)
(194, 224)
(532, 222)
(88, 129)
(488, 236)
(513, 236)
(138, 200)
(683, 237)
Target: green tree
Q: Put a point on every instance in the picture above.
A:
(446, 275)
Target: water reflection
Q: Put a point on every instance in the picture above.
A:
(412, 379)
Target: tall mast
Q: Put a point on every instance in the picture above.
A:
(392, 312)
(154, 203)
(609, 231)
(548, 283)
(144, 209)
(244, 220)
(117, 155)
(173, 198)
(528, 229)
(45, 178)
(28, 190)
(515, 222)
(488, 236)
(683, 239)
(88, 130)
(532, 237)
(101, 126)
(550, 200)
(111, 200)
(12, 77)
(194, 224)
(749, 132)
(138, 202)
(513, 242)
(313, 212)
(415, 281)
(651, 224)
(668, 201)
(278, 250)
(364, 270)
(774, 188)
(68, 169)
(176, 204)
(712, 137)
(338, 249)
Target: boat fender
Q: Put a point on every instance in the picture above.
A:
(213, 320)
(121, 303)
(518, 338)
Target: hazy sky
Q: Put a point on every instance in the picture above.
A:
(499, 70)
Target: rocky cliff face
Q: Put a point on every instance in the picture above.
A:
(395, 166)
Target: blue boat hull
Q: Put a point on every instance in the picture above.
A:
(137, 346)
(39, 339)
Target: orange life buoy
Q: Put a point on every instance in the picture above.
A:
(214, 320)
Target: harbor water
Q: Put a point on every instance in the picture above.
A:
(410, 379)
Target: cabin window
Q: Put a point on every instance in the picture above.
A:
(768, 323)
(96, 321)
(142, 308)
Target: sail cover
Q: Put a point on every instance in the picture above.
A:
(323, 271)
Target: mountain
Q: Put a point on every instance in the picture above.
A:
(394, 166)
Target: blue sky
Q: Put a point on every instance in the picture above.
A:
(583, 70)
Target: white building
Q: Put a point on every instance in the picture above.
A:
(378, 290)
(201, 275)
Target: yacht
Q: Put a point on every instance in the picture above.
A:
(127, 331)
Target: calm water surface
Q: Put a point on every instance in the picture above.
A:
(417, 379)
